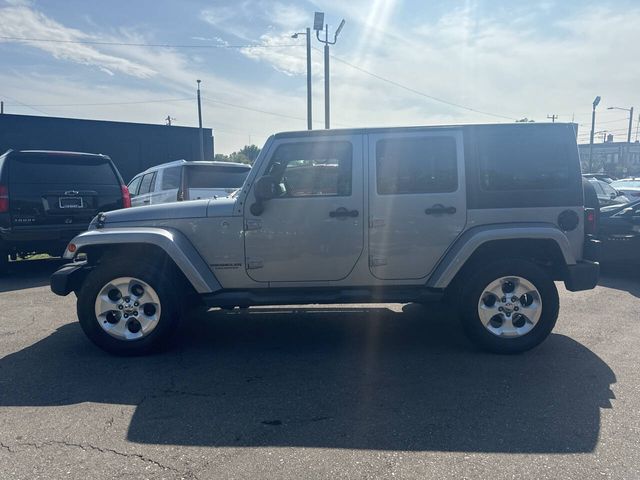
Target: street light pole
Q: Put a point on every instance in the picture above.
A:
(200, 124)
(596, 101)
(630, 110)
(319, 26)
(309, 114)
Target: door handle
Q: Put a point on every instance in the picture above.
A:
(439, 209)
(343, 213)
(146, 201)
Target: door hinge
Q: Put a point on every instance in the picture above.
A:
(376, 222)
(377, 261)
(253, 264)
(253, 224)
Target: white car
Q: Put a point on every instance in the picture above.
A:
(182, 180)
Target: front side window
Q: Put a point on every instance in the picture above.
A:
(416, 165)
(171, 178)
(313, 169)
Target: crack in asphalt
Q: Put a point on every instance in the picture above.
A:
(90, 447)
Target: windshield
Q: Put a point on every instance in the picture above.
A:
(626, 184)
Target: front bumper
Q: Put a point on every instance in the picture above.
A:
(582, 276)
(69, 278)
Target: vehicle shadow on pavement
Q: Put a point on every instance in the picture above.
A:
(29, 274)
(357, 378)
(621, 277)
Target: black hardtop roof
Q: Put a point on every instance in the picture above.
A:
(408, 129)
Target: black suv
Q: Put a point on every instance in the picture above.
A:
(47, 197)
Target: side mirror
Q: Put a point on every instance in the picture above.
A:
(264, 189)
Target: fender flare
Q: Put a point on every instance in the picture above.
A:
(174, 243)
(472, 239)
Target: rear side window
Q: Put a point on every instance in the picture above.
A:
(55, 169)
(416, 165)
(214, 176)
(522, 160)
(171, 178)
(146, 185)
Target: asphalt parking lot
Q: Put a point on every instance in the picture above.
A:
(377, 391)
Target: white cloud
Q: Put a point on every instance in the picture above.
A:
(24, 22)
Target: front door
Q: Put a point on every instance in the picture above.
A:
(313, 231)
(417, 200)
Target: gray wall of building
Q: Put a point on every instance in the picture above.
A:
(619, 159)
(132, 146)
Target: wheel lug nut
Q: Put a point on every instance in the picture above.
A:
(508, 314)
(126, 315)
(514, 298)
(500, 309)
(135, 304)
(120, 307)
(127, 299)
(503, 299)
(135, 314)
(516, 308)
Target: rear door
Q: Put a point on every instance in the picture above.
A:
(417, 200)
(167, 185)
(61, 189)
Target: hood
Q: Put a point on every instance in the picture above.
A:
(163, 211)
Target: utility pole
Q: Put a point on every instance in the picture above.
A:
(319, 26)
(168, 120)
(637, 127)
(553, 118)
(307, 33)
(626, 157)
(200, 124)
(596, 101)
(2, 110)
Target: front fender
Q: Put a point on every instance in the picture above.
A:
(473, 238)
(171, 241)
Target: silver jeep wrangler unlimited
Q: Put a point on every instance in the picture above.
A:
(485, 215)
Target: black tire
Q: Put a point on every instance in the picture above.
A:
(166, 282)
(479, 277)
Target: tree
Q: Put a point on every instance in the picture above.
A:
(525, 120)
(246, 154)
(251, 152)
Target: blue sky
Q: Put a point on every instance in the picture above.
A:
(494, 60)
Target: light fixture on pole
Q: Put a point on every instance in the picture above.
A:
(596, 101)
(200, 124)
(307, 33)
(319, 26)
(630, 110)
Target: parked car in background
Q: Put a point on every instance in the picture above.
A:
(47, 198)
(619, 233)
(630, 187)
(599, 176)
(607, 195)
(182, 180)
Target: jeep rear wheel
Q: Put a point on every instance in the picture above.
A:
(509, 306)
(130, 309)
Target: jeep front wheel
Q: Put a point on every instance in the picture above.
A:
(129, 309)
(509, 306)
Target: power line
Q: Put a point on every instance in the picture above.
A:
(101, 104)
(266, 112)
(139, 44)
(32, 107)
(417, 92)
